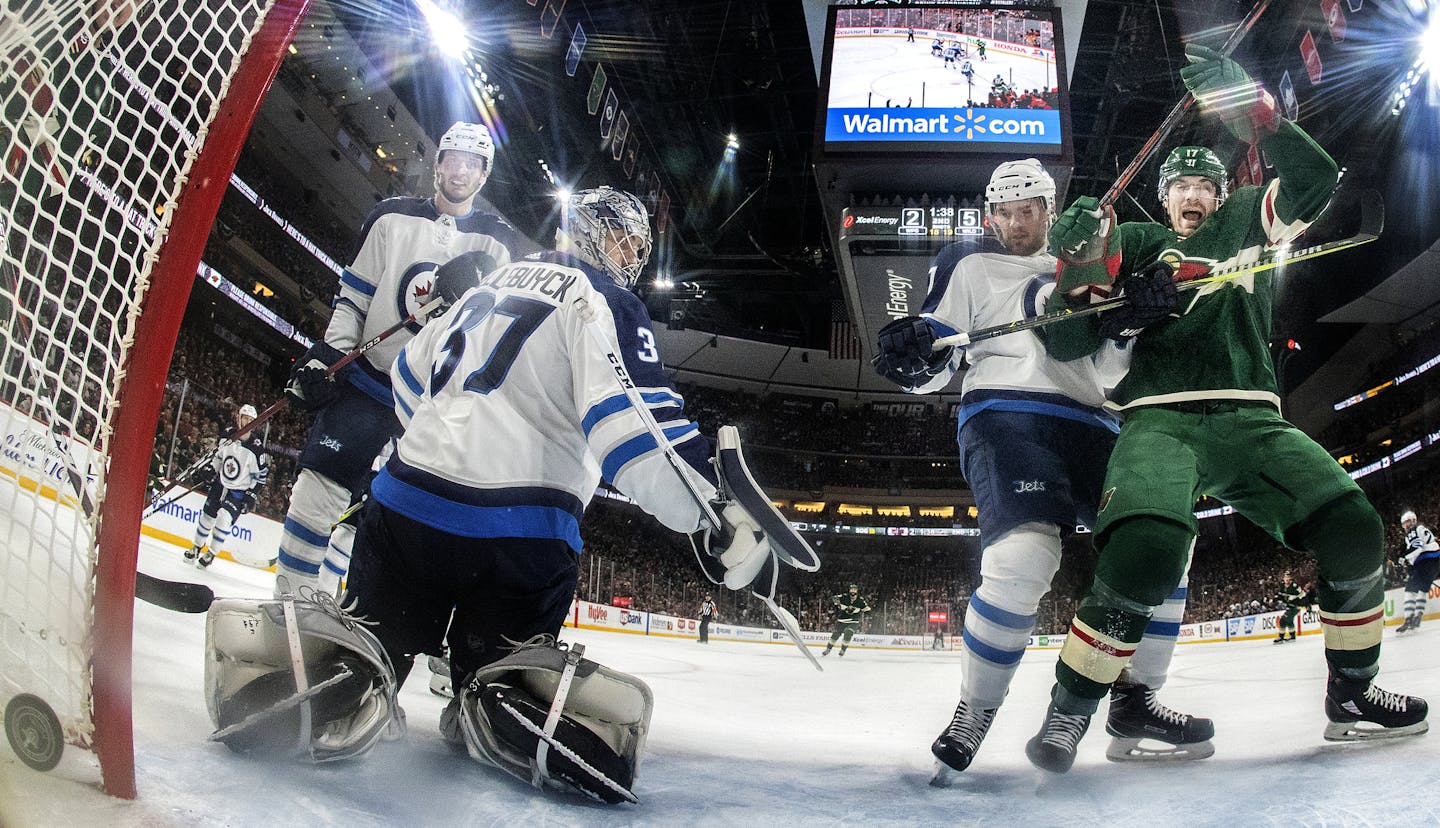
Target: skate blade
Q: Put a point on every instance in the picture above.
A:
(1366, 732)
(1124, 749)
(943, 775)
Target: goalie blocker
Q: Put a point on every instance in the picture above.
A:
(554, 719)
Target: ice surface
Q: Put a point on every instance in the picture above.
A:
(874, 70)
(745, 734)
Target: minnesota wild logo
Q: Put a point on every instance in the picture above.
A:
(1187, 267)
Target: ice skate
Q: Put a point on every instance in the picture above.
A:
(1053, 748)
(1359, 711)
(956, 746)
(194, 552)
(1137, 716)
(206, 558)
(440, 683)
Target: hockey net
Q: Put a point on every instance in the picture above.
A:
(120, 117)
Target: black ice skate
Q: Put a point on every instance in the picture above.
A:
(194, 552)
(440, 676)
(956, 746)
(1136, 716)
(1053, 748)
(1359, 711)
(206, 558)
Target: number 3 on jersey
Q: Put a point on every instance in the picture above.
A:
(525, 314)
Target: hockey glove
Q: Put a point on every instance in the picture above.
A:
(1224, 88)
(455, 278)
(1150, 297)
(1080, 239)
(200, 478)
(738, 547)
(311, 386)
(904, 353)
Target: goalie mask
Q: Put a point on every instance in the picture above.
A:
(298, 678)
(551, 718)
(609, 229)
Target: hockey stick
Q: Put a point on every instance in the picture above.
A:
(1177, 112)
(1372, 224)
(627, 385)
(276, 407)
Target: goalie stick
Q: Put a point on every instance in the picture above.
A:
(274, 408)
(1372, 222)
(627, 385)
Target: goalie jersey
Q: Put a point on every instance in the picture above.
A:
(978, 286)
(401, 244)
(513, 411)
(243, 465)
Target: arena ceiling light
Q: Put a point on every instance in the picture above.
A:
(446, 29)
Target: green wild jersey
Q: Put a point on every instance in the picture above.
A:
(1218, 347)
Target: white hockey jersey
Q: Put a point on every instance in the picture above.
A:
(1420, 544)
(241, 465)
(973, 287)
(513, 412)
(402, 243)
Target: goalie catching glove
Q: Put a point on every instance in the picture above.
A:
(551, 718)
(303, 680)
(754, 537)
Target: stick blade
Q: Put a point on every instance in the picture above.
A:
(178, 596)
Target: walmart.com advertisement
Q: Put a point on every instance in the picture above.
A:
(979, 126)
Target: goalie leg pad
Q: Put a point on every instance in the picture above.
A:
(552, 718)
(739, 485)
(252, 687)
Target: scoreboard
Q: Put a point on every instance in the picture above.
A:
(945, 223)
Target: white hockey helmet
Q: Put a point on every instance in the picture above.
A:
(248, 410)
(1408, 516)
(588, 218)
(1019, 180)
(467, 137)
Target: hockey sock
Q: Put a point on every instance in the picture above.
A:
(315, 503)
(1141, 560)
(337, 558)
(1015, 573)
(202, 529)
(1347, 537)
(1151, 662)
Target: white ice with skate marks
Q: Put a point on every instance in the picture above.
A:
(869, 71)
(743, 734)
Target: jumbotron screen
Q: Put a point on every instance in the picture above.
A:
(969, 79)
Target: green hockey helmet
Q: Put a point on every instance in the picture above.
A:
(1193, 161)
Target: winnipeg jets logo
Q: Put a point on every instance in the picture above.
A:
(331, 443)
(969, 123)
(1027, 486)
(416, 284)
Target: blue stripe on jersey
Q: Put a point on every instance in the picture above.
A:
(400, 401)
(1004, 618)
(291, 562)
(677, 433)
(662, 399)
(1027, 305)
(603, 409)
(312, 538)
(407, 376)
(994, 655)
(624, 453)
(940, 328)
(1051, 405)
(355, 283)
(459, 493)
(499, 519)
(1169, 629)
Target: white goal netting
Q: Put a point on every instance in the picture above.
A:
(106, 106)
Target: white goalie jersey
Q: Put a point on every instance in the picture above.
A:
(979, 287)
(513, 412)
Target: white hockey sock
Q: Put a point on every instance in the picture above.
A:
(337, 558)
(1420, 601)
(1151, 662)
(202, 529)
(1015, 573)
(315, 503)
(1411, 599)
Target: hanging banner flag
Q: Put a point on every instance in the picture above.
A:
(1288, 102)
(1313, 67)
(572, 55)
(597, 90)
(1334, 18)
(622, 131)
(607, 118)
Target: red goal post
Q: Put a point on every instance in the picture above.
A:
(123, 120)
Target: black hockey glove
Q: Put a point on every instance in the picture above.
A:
(1150, 297)
(904, 353)
(310, 387)
(200, 478)
(454, 278)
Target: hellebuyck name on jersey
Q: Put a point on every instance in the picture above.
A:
(513, 414)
